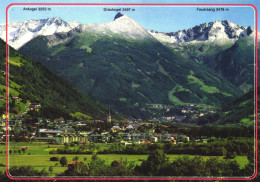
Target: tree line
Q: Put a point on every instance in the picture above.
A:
(219, 147)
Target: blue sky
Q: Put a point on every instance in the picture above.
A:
(160, 18)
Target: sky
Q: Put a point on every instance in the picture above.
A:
(159, 18)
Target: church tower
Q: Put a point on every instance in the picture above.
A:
(109, 116)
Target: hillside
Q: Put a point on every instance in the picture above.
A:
(128, 73)
(237, 64)
(33, 83)
(240, 111)
(234, 61)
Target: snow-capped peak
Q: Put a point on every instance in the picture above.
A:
(218, 32)
(122, 25)
(73, 24)
(20, 33)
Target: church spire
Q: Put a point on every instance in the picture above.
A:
(109, 116)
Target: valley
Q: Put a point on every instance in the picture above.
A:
(131, 68)
(116, 99)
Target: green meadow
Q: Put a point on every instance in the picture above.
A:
(37, 155)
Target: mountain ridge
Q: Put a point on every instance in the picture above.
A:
(22, 32)
(219, 32)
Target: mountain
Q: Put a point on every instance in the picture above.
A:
(122, 65)
(33, 83)
(22, 32)
(223, 46)
(234, 61)
(122, 25)
(219, 32)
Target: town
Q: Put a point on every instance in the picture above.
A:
(68, 145)
(131, 131)
(66, 131)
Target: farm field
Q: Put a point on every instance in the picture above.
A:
(37, 155)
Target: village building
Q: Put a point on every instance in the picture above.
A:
(115, 128)
(154, 139)
(123, 142)
(70, 138)
(73, 165)
(15, 97)
(99, 138)
(124, 136)
(48, 133)
(34, 106)
(183, 138)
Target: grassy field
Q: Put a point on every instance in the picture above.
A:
(43, 161)
(39, 157)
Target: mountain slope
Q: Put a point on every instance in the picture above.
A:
(222, 46)
(127, 69)
(33, 83)
(237, 64)
(241, 110)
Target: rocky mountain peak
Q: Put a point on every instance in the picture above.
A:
(218, 32)
(121, 25)
(22, 32)
(249, 30)
(118, 15)
(55, 20)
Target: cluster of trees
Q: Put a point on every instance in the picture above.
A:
(221, 131)
(218, 131)
(70, 151)
(26, 171)
(157, 164)
(63, 161)
(18, 135)
(216, 148)
(98, 167)
(83, 149)
(117, 148)
(18, 151)
(212, 130)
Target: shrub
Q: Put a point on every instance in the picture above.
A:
(54, 159)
